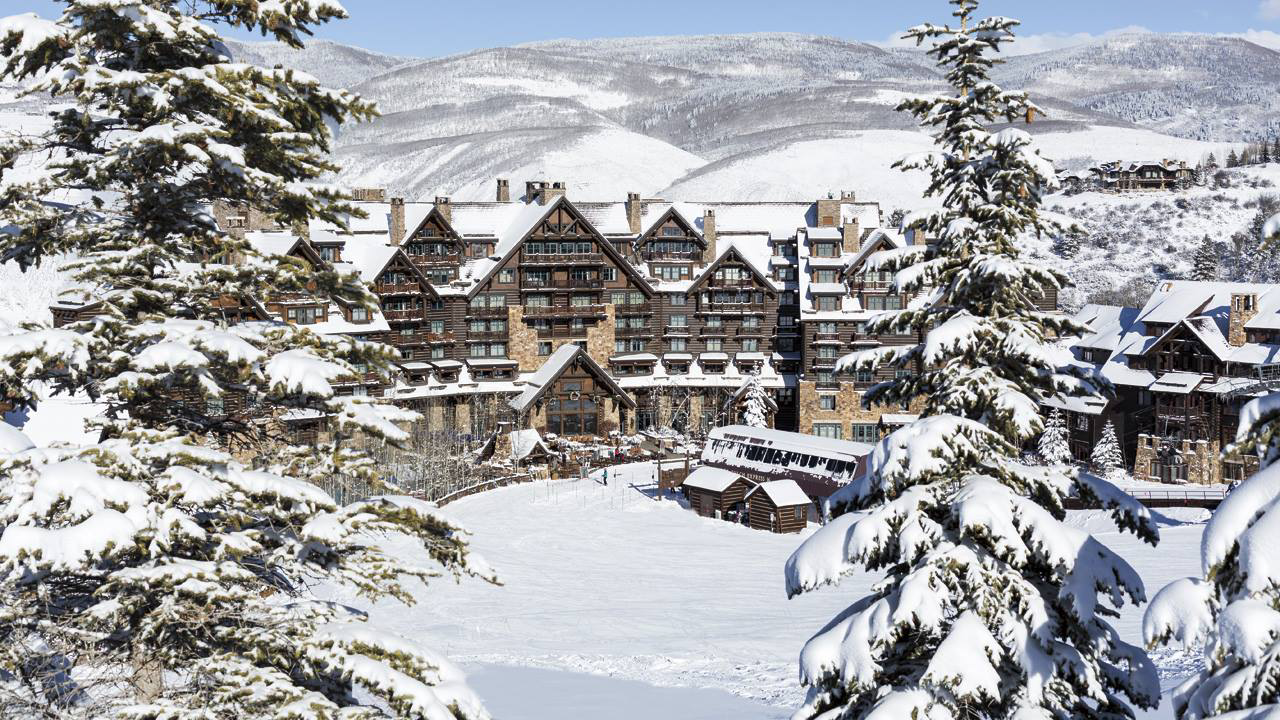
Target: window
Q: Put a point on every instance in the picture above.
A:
(359, 315)
(672, 272)
(826, 249)
(864, 432)
(303, 315)
(493, 300)
(751, 321)
(715, 344)
(827, 328)
(634, 345)
(213, 406)
(800, 512)
(824, 276)
(676, 300)
(437, 327)
(406, 353)
(609, 274)
(581, 300)
(236, 221)
(672, 231)
(678, 321)
(714, 321)
(864, 376)
(437, 353)
(439, 276)
(784, 273)
(826, 303)
(677, 344)
(789, 297)
(507, 275)
(786, 321)
(1082, 421)
(750, 345)
(884, 302)
(786, 344)
(538, 301)
(827, 430)
(826, 402)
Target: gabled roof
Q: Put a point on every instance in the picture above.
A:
(876, 240)
(528, 220)
(432, 213)
(782, 493)
(562, 359)
(674, 213)
(282, 243)
(713, 479)
(731, 250)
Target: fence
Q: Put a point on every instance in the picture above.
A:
(1209, 499)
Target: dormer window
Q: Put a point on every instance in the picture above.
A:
(359, 315)
(672, 231)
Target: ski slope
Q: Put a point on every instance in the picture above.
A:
(645, 597)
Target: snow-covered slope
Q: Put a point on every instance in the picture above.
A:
(605, 580)
(333, 64)
(1196, 86)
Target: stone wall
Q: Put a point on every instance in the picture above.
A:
(1202, 459)
(600, 338)
(848, 410)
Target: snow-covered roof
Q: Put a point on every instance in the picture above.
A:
(1177, 382)
(524, 443)
(557, 363)
(783, 493)
(1087, 405)
(712, 479)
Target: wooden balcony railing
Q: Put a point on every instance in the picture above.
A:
(413, 314)
(382, 288)
(562, 311)
(479, 312)
(564, 258)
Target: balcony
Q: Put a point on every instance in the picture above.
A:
(486, 312)
(564, 259)
(633, 332)
(693, 255)
(414, 314)
(826, 337)
(487, 335)
(746, 282)
(757, 330)
(561, 284)
(396, 288)
(676, 329)
(420, 338)
(641, 309)
(731, 309)
(563, 311)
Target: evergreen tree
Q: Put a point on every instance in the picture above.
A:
(1205, 261)
(1107, 459)
(1052, 446)
(165, 571)
(990, 607)
(755, 412)
(1231, 609)
(1264, 152)
(1233, 160)
(1275, 149)
(1211, 162)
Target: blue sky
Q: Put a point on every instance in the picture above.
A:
(429, 28)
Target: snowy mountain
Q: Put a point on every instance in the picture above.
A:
(1194, 86)
(332, 63)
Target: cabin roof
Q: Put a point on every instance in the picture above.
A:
(783, 493)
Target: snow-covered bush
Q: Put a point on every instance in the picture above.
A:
(165, 571)
(1107, 459)
(755, 402)
(991, 605)
(1052, 445)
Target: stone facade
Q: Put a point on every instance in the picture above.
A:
(1200, 459)
(1243, 309)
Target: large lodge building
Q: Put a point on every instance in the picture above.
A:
(581, 318)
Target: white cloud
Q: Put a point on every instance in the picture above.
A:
(1265, 38)
(1027, 44)
(1269, 9)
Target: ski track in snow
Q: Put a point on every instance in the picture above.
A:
(606, 581)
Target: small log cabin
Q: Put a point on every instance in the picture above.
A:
(713, 492)
(778, 506)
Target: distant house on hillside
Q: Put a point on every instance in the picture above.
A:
(1123, 176)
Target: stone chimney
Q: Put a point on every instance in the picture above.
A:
(851, 237)
(397, 220)
(1243, 307)
(533, 191)
(828, 211)
(709, 234)
(635, 209)
(502, 442)
(504, 190)
(551, 191)
(445, 208)
(369, 194)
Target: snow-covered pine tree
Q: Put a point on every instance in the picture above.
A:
(1231, 610)
(1233, 160)
(1211, 163)
(1053, 446)
(156, 573)
(755, 402)
(1107, 459)
(1205, 262)
(990, 607)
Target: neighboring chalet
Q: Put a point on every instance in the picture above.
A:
(819, 466)
(1183, 366)
(1143, 175)
(778, 506)
(717, 493)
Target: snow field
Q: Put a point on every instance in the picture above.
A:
(606, 581)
